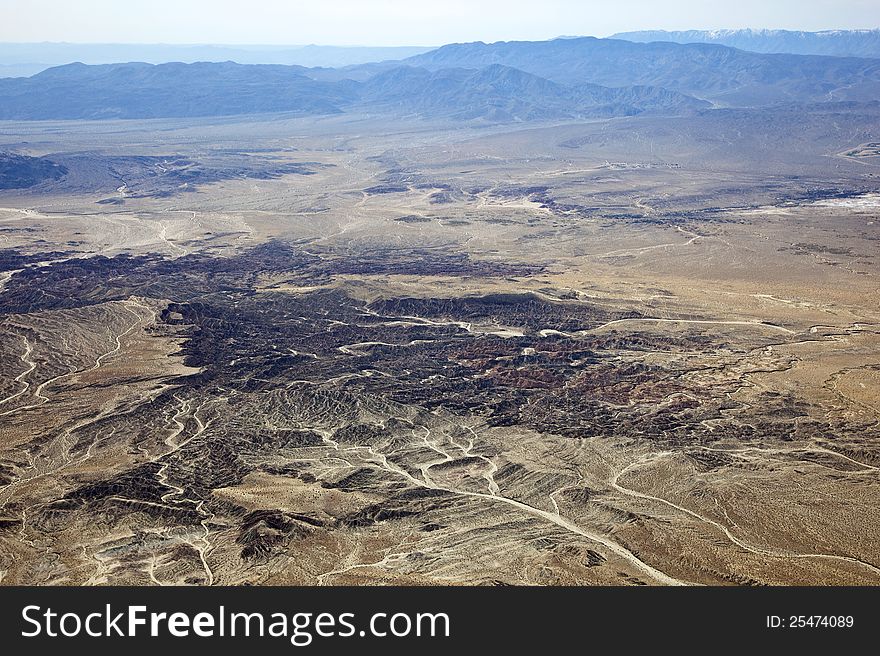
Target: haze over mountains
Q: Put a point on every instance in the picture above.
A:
(26, 59)
(506, 81)
(719, 73)
(841, 43)
(140, 90)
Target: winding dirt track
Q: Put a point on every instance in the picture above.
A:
(26, 359)
(762, 551)
(99, 360)
(558, 520)
(752, 324)
(6, 490)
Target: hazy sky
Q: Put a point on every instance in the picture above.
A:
(399, 22)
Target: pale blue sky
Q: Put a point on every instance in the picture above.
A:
(403, 22)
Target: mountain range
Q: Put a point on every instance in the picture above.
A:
(495, 92)
(499, 82)
(139, 90)
(713, 72)
(25, 59)
(503, 93)
(839, 43)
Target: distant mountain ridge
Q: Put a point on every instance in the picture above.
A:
(138, 90)
(504, 81)
(30, 58)
(838, 43)
(714, 72)
(502, 93)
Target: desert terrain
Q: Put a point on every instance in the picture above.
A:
(340, 350)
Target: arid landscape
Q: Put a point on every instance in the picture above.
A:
(348, 350)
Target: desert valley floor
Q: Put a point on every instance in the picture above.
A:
(339, 351)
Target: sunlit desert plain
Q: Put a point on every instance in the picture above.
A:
(345, 350)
